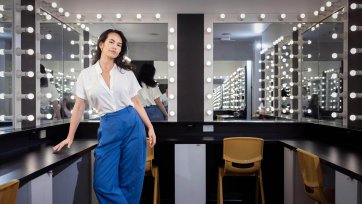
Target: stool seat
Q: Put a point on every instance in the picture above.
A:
(8, 192)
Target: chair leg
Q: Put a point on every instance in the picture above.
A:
(257, 190)
(261, 187)
(156, 188)
(220, 199)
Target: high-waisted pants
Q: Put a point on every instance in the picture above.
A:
(120, 158)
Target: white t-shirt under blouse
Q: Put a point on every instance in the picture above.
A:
(92, 87)
(147, 95)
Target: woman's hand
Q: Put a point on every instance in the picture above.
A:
(152, 137)
(59, 146)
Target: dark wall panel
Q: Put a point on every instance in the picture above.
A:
(190, 67)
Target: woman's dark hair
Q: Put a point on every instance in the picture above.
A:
(146, 74)
(120, 62)
(43, 80)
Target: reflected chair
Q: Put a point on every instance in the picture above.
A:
(8, 192)
(313, 178)
(242, 157)
(152, 170)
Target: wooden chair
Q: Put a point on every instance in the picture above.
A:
(8, 192)
(313, 178)
(242, 157)
(153, 171)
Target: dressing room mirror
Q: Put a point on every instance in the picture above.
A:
(237, 48)
(147, 43)
(321, 82)
(6, 65)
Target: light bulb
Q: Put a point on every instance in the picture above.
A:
(209, 112)
(172, 30)
(79, 16)
(316, 13)
(209, 96)
(48, 36)
(48, 56)
(222, 16)
(66, 14)
(262, 16)
(352, 117)
(48, 95)
(208, 79)
(139, 16)
(353, 28)
(118, 16)
(171, 96)
(328, 3)
(353, 51)
(172, 80)
(208, 46)
(172, 113)
(352, 95)
(302, 16)
(171, 47)
(172, 63)
(157, 16)
(208, 29)
(242, 16)
(334, 35)
(282, 16)
(99, 16)
(60, 10)
(334, 115)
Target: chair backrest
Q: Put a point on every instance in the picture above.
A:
(310, 168)
(149, 157)
(8, 192)
(243, 154)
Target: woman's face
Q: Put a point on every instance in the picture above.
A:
(112, 46)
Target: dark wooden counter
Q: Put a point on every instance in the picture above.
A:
(40, 160)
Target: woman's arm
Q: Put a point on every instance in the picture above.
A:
(142, 113)
(56, 110)
(161, 107)
(77, 114)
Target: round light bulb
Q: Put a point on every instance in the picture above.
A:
(209, 112)
(208, 79)
(172, 30)
(48, 36)
(30, 117)
(157, 16)
(283, 15)
(171, 96)
(139, 16)
(30, 51)
(302, 15)
(172, 80)
(172, 113)
(171, 47)
(352, 95)
(208, 46)
(30, 74)
(60, 10)
(208, 63)
(334, 35)
(48, 56)
(334, 55)
(353, 6)
(353, 73)
(208, 29)
(352, 117)
(334, 115)
(79, 16)
(353, 28)
(99, 16)
(66, 14)
(30, 96)
(328, 3)
(353, 51)
(242, 16)
(316, 13)
(172, 63)
(262, 16)
(30, 29)
(222, 16)
(118, 16)
(48, 95)
(209, 96)
(48, 116)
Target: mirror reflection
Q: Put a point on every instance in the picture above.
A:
(321, 82)
(6, 29)
(147, 47)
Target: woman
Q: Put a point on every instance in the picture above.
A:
(111, 88)
(150, 93)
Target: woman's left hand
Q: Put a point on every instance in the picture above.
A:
(152, 137)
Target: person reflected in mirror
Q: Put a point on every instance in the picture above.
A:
(305, 101)
(66, 105)
(313, 106)
(164, 99)
(110, 87)
(150, 94)
(49, 103)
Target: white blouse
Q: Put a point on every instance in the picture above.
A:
(92, 87)
(46, 90)
(147, 95)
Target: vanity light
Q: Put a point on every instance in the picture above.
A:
(335, 36)
(172, 80)
(47, 75)
(54, 5)
(301, 17)
(46, 37)
(69, 29)
(209, 96)
(79, 17)
(355, 6)
(222, 16)
(45, 116)
(307, 56)
(25, 8)
(82, 26)
(208, 63)
(329, 4)
(209, 112)
(355, 28)
(48, 17)
(172, 30)
(208, 46)
(172, 63)
(5, 52)
(355, 73)
(340, 115)
(208, 30)
(208, 80)
(99, 17)
(66, 14)
(171, 96)
(28, 118)
(172, 113)
(5, 117)
(46, 56)
(322, 9)
(4, 96)
(295, 28)
(242, 16)
(3, 30)
(19, 52)
(355, 95)
(29, 96)
(60, 10)
(282, 17)
(336, 55)
(316, 13)
(118, 16)
(139, 16)
(3, 8)
(355, 117)
(171, 47)
(261, 17)
(24, 30)
(86, 28)
(158, 16)
(355, 50)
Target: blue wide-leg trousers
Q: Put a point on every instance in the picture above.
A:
(120, 158)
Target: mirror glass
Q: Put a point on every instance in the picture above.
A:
(237, 58)
(147, 43)
(321, 82)
(6, 34)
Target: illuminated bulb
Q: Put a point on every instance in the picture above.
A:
(334, 94)
(48, 36)
(48, 116)
(118, 16)
(172, 113)
(354, 72)
(60, 10)
(171, 47)
(209, 112)
(316, 13)
(172, 63)
(208, 80)
(328, 3)
(48, 56)
(99, 16)
(355, 6)
(172, 30)
(30, 29)
(157, 16)
(66, 14)
(54, 4)
(171, 96)
(242, 16)
(295, 29)
(352, 117)
(208, 46)
(352, 95)
(30, 117)
(309, 111)
(48, 17)
(334, 35)
(209, 96)
(79, 16)
(282, 16)
(309, 69)
(302, 16)
(334, 115)
(322, 9)
(355, 28)
(48, 95)
(222, 16)
(353, 51)
(262, 16)
(208, 29)
(139, 16)
(172, 80)
(335, 15)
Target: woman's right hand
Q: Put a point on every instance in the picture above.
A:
(59, 146)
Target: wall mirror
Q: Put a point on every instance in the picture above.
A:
(6, 64)
(59, 68)
(236, 67)
(322, 84)
(147, 43)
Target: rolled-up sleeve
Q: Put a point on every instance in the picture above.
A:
(134, 86)
(80, 88)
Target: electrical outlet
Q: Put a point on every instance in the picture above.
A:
(208, 128)
(42, 134)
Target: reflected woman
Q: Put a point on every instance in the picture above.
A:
(110, 86)
(150, 94)
(49, 104)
